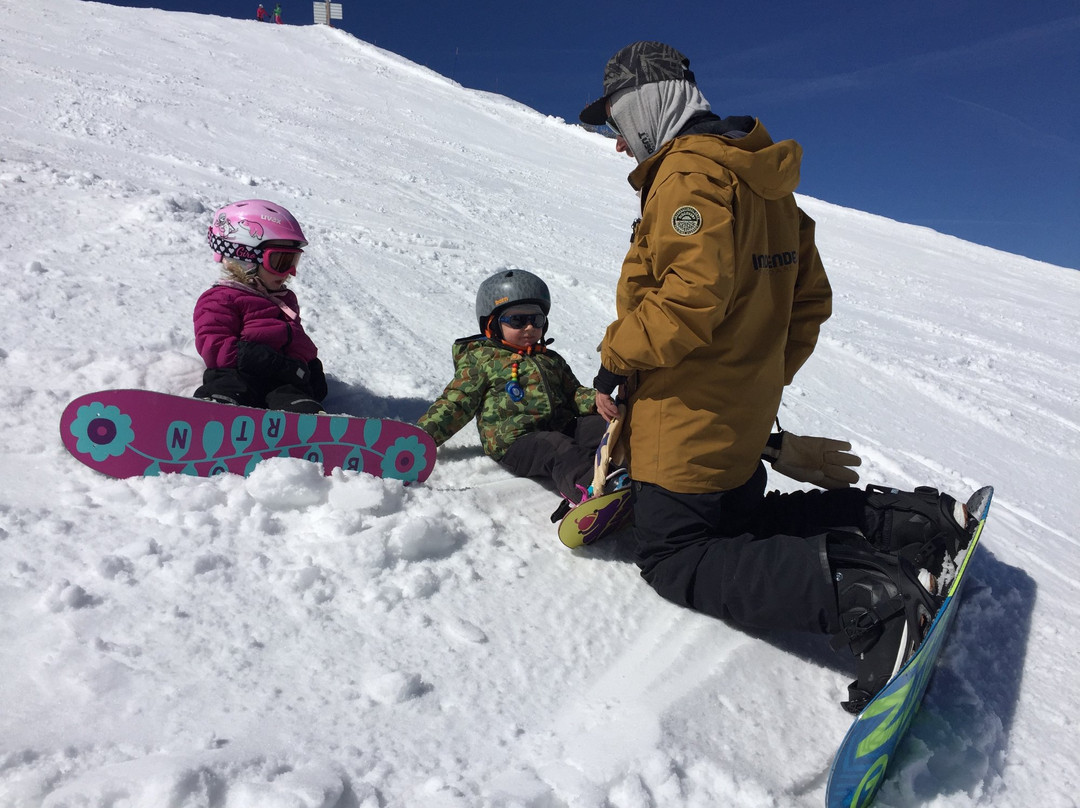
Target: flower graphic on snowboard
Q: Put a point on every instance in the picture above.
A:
(405, 459)
(101, 431)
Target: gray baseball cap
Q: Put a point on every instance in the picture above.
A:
(637, 64)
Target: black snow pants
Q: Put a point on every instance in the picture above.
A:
(566, 457)
(755, 560)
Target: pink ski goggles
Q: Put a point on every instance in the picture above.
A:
(281, 260)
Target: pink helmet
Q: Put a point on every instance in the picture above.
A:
(239, 228)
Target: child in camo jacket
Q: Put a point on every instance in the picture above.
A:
(533, 415)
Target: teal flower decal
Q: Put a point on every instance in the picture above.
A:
(405, 459)
(101, 431)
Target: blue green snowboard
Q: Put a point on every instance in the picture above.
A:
(862, 762)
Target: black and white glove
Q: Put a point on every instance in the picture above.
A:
(823, 462)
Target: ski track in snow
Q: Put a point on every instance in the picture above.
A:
(298, 641)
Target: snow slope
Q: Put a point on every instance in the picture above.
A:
(295, 641)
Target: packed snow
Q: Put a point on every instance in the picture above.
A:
(291, 640)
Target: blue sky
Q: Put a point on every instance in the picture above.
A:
(960, 115)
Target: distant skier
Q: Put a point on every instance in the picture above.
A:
(247, 325)
(261, 14)
(277, 13)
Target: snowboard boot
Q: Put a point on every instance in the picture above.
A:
(924, 527)
(884, 612)
(564, 508)
(569, 503)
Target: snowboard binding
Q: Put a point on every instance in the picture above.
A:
(923, 526)
(885, 609)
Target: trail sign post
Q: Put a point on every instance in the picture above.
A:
(326, 11)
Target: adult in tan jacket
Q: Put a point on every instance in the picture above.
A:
(719, 304)
(716, 312)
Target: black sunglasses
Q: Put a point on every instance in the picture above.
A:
(522, 320)
(611, 125)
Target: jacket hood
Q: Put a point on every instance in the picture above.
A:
(770, 169)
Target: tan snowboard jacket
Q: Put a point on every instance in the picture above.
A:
(719, 304)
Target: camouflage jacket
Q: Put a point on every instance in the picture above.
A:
(483, 368)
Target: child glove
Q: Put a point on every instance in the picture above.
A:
(317, 382)
(822, 461)
(264, 362)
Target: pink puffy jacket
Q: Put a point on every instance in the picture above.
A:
(229, 312)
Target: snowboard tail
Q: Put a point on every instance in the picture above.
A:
(861, 763)
(599, 514)
(596, 517)
(133, 433)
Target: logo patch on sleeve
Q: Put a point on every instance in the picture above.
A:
(686, 220)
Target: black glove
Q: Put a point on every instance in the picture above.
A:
(606, 382)
(262, 361)
(317, 382)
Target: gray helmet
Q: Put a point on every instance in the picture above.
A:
(508, 287)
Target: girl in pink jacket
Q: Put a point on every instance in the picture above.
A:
(247, 325)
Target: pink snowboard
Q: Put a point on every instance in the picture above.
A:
(133, 433)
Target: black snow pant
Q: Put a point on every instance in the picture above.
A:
(755, 560)
(565, 457)
(230, 386)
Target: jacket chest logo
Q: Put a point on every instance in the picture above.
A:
(686, 220)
